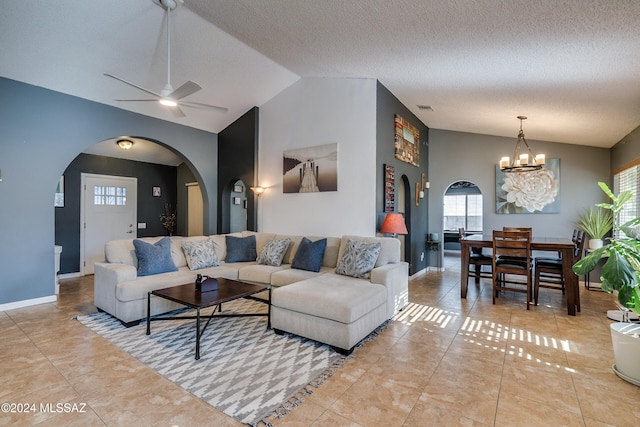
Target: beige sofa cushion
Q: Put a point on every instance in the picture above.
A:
(123, 252)
(331, 296)
(258, 273)
(138, 289)
(288, 276)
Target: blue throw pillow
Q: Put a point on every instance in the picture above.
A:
(309, 255)
(154, 259)
(241, 249)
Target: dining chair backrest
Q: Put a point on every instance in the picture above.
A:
(528, 229)
(579, 248)
(512, 244)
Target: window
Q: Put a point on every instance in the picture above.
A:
(463, 211)
(110, 196)
(628, 178)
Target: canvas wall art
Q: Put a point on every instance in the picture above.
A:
(529, 192)
(311, 169)
(406, 141)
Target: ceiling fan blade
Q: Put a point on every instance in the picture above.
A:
(185, 90)
(177, 112)
(136, 100)
(133, 84)
(203, 106)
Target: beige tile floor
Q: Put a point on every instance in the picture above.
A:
(443, 362)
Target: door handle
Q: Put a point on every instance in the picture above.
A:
(130, 231)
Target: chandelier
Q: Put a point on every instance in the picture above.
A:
(523, 158)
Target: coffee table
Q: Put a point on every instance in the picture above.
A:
(228, 290)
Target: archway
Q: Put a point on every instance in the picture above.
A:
(404, 207)
(462, 208)
(162, 174)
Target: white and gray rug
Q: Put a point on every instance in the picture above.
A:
(245, 370)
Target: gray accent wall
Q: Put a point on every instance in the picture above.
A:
(416, 217)
(41, 132)
(460, 156)
(625, 151)
(68, 220)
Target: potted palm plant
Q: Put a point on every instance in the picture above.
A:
(596, 222)
(620, 276)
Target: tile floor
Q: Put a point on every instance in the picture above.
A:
(444, 362)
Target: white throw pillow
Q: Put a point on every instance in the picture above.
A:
(200, 254)
(273, 252)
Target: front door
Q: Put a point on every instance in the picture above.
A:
(108, 212)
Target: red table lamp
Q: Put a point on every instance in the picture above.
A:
(394, 224)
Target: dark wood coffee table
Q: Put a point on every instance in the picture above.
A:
(228, 290)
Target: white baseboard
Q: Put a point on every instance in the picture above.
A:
(69, 275)
(418, 273)
(27, 303)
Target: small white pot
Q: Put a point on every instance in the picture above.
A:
(595, 244)
(626, 349)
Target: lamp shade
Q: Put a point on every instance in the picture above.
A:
(394, 224)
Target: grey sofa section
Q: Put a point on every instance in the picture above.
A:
(334, 309)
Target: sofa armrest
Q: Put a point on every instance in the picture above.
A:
(395, 276)
(106, 278)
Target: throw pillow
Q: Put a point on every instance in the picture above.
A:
(154, 259)
(309, 255)
(200, 254)
(358, 259)
(241, 249)
(273, 252)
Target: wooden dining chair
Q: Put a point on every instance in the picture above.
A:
(512, 256)
(526, 229)
(548, 271)
(477, 260)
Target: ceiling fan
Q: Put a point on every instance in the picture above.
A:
(168, 96)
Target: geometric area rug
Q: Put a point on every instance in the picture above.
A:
(245, 370)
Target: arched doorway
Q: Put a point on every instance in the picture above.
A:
(462, 208)
(161, 174)
(404, 207)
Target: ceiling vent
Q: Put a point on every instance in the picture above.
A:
(425, 107)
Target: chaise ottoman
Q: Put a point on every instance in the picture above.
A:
(330, 308)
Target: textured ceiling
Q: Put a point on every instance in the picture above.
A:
(571, 66)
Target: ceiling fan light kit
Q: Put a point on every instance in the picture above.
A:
(125, 144)
(168, 96)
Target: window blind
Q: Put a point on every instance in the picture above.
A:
(628, 178)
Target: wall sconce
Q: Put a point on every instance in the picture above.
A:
(125, 144)
(258, 190)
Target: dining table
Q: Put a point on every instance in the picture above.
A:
(564, 246)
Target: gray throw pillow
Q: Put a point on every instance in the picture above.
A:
(309, 255)
(154, 259)
(273, 252)
(240, 249)
(200, 254)
(358, 259)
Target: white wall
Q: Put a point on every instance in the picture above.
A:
(318, 111)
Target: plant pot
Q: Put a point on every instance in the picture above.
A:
(595, 244)
(626, 349)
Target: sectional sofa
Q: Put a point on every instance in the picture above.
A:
(329, 289)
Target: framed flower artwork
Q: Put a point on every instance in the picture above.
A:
(529, 192)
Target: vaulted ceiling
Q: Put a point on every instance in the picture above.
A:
(571, 66)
